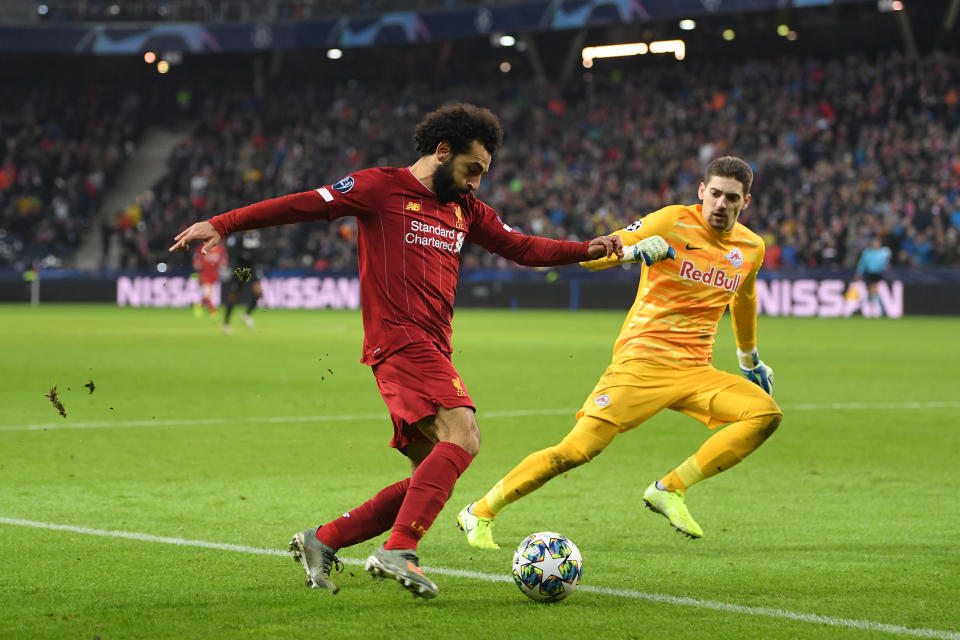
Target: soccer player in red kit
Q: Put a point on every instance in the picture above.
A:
(208, 264)
(412, 224)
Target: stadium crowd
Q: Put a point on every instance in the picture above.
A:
(62, 142)
(842, 150)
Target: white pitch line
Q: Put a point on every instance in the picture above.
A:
(484, 415)
(831, 621)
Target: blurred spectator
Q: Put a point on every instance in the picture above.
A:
(62, 142)
(842, 149)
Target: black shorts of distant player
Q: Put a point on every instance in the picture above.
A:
(243, 278)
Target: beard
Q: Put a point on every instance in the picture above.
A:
(445, 186)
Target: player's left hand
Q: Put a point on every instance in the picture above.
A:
(605, 246)
(202, 231)
(755, 370)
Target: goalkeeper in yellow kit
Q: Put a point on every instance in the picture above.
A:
(662, 357)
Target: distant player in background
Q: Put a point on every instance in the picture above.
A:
(870, 268)
(662, 357)
(208, 265)
(247, 272)
(412, 222)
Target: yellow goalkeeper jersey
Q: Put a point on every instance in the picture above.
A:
(679, 302)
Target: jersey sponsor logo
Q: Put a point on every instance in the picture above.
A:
(459, 223)
(434, 235)
(412, 206)
(735, 258)
(634, 226)
(602, 400)
(714, 277)
(344, 185)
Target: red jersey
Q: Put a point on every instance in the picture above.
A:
(209, 265)
(408, 245)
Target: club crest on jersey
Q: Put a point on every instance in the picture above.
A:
(459, 223)
(458, 385)
(602, 400)
(412, 206)
(344, 185)
(735, 258)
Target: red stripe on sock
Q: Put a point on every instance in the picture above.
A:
(430, 487)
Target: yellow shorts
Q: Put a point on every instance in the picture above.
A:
(631, 391)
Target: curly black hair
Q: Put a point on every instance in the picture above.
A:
(731, 167)
(459, 125)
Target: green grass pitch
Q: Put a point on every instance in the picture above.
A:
(844, 525)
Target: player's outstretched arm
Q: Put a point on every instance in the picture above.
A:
(606, 246)
(642, 241)
(202, 231)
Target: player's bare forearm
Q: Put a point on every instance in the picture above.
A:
(606, 247)
(202, 231)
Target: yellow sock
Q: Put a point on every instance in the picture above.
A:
(686, 475)
(721, 451)
(584, 442)
(482, 506)
(528, 476)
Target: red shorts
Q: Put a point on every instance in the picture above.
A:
(414, 383)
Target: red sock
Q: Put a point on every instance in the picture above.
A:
(430, 487)
(370, 519)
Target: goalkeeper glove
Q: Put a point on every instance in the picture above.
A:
(648, 250)
(755, 370)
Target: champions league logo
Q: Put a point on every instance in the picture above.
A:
(344, 185)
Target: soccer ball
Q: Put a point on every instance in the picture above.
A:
(547, 566)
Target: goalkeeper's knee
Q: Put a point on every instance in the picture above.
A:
(770, 424)
(761, 427)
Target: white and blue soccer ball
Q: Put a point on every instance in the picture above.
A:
(547, 566)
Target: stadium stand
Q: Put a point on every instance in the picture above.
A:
(843, 149)
(63, 139)
(231, 10)
(844, 146)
